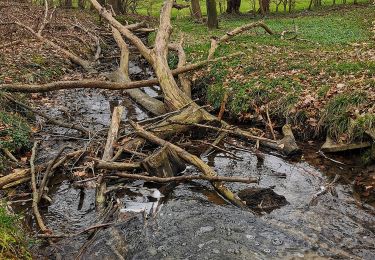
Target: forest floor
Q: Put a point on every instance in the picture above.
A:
(322, 81)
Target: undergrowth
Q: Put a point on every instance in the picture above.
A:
(13, 241)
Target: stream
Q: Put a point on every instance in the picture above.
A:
(190, 221)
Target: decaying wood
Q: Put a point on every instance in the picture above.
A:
(19, 174)
(108, 153)
(270, 123)
(98, 84)
(37, 215)
(192, 159)
(184, 81)
(16, 183)
(164, 163)
(186, 178)
(9, 155)
(216, 42)
(119, 166)
(331, 146)
(151, 104)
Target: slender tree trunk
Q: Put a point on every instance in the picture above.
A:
(212, 21)
(196, 10)
(116, 5)
(68, 3)
(233, 6)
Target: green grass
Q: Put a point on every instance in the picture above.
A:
(337, 116)
(14, 132)
(281, 72)
(13, 241)
(154, 6)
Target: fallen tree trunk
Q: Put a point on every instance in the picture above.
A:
(97, 84)
(108, 154)
(192, 159)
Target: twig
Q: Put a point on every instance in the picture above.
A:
(186, 178)
(38, 217)
(49, 172)
(49, 119)
(10, 155)
(220, 149)
(320, 152)
(270, 123)
(220, 137)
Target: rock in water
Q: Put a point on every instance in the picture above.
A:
(262, 198)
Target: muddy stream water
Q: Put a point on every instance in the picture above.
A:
(191, 221)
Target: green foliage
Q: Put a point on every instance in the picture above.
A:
(13, 241)
(352, 67)
(362, 124)
(215, 94)
(172, 60)
(14, 132)
(336, 116)
(38, 59)
(323, 90)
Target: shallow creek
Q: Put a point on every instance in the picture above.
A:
(191, 221)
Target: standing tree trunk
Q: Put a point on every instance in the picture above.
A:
(212, 21)
(68, 3)
(116, 6)
(264, 6)
(196, 12)
(81, 4)
(233, 6)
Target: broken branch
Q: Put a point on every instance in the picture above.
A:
(186, 178)
(192, 159)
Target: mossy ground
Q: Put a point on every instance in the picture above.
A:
(13, 241)
(322, 83)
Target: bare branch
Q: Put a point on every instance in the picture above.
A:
(186, 178)
(216, 42)
(123, 30)
(58, 85)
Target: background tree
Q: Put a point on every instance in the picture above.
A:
(233, 6)
(116, 5)
(196, 10)
(212, 21)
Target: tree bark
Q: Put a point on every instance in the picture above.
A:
(116, 6)
(212, 21)
(233, 6)
(196, 10)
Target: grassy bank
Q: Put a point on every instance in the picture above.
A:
(321, 82)
(13, 241)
